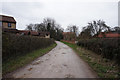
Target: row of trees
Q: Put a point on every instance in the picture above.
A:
(92, 29)
(48, 25)
(72, 28)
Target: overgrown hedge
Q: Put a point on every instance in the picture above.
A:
(107, 47)
(16, 45)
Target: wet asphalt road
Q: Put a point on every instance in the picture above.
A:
(60, 62)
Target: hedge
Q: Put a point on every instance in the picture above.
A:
(16, 45)
(107, 47)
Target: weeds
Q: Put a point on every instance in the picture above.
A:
(104, 68)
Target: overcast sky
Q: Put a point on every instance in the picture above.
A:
(65, 12)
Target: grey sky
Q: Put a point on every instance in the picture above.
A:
(64, 12)
(119, 13)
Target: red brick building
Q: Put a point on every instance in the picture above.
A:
(70, 36)
(112, 34)
(34, 33)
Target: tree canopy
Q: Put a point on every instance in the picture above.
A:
(72, 28)
(94, 28)
(48, 25)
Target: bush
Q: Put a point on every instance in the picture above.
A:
(107, 47)
(15, 45)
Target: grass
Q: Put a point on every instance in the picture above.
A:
(103, 67)
(20, 61)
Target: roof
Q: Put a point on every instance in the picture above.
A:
(109, 34)
(24, 31)
(68, 33)
(44, 32)
(33, 32)
(115, 32)
(7, 19)
(10, 30)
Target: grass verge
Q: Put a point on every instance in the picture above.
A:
(20, 61)
(103, 67)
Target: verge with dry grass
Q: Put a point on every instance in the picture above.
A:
(105, 68)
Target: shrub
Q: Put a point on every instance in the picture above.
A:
(15, 45)
(107, 47)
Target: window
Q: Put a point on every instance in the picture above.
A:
(0, 23)
(46, 34)
(9, 24)
(39, 34)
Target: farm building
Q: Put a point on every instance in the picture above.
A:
(112, 34)
(34, 33)
(7, 22)
(8, 25)
(70, 36)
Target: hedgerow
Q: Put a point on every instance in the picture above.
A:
(16, 45)
(106, 47)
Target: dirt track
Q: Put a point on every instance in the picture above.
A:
(60, 62)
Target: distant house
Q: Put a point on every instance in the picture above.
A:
(10, 30)
(112, 34)
(70, 36)
(7, 22)
(34, 33)
(44, 34)
(8, 25)
(27, 32)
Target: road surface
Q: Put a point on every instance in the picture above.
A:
(60, 62)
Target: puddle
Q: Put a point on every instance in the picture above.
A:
(69, 76)
(48, 54)
(63, 53)
(46, 59)
(37, 62)
(64, 65)
(30, 69)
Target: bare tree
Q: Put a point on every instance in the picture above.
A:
(30, 27)
(95, 27)
(72, 28)
(40, 27)
(116, 28)
(85, 33)
(48, 25)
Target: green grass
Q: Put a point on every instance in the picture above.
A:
(20, 61)
(103, 67)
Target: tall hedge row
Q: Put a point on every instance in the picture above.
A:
(16, 45)
(107, 47)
